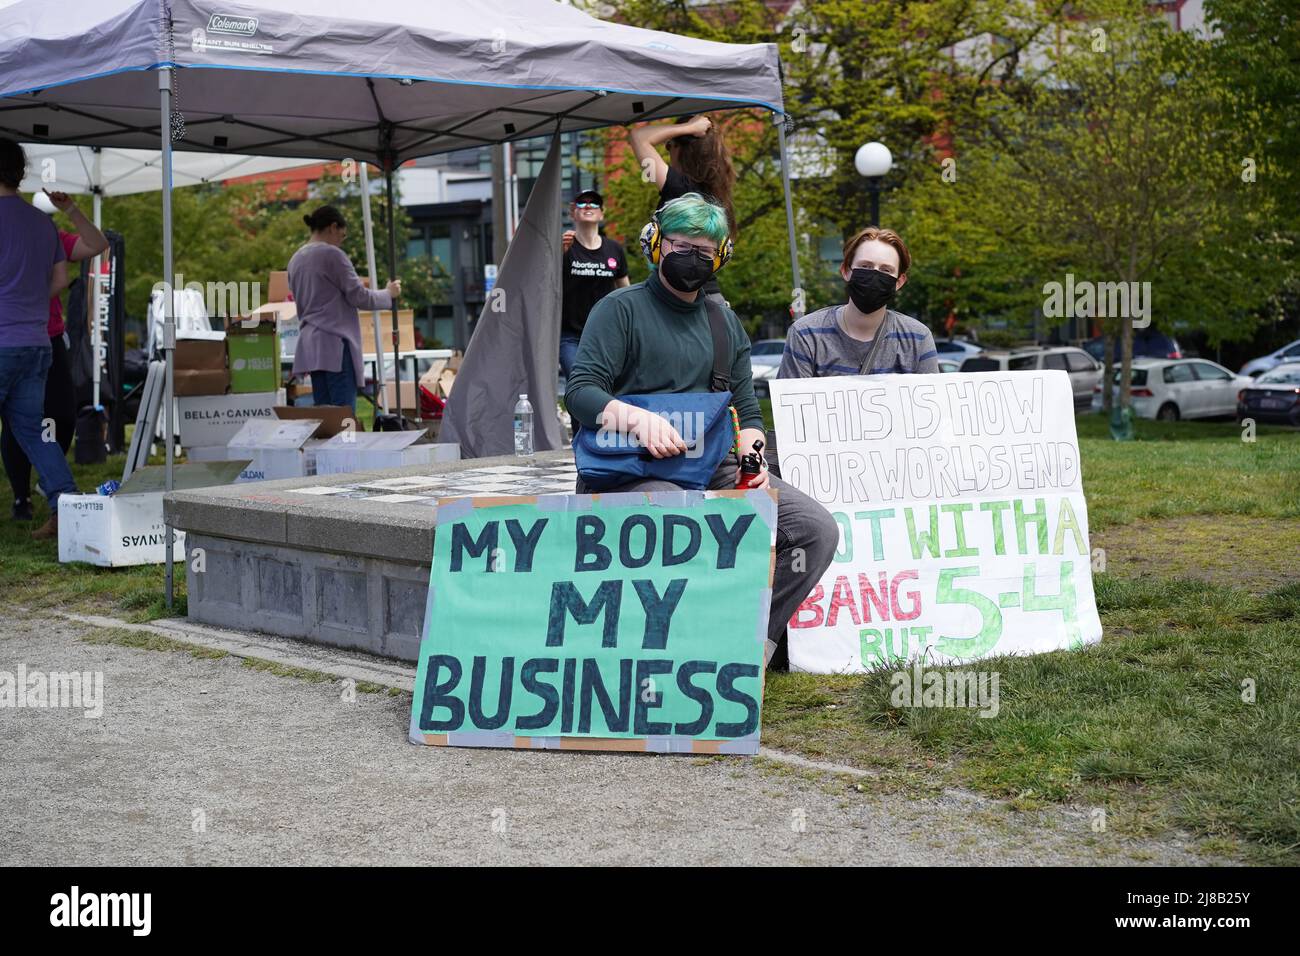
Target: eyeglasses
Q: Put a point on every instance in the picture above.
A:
(587, 205)
(684, 247)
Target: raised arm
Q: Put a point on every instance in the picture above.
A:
(90, 241)
(647, 139)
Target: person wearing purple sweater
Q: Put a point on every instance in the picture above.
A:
(33, 268)
(328, 293)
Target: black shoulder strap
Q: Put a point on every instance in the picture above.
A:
(720, 380)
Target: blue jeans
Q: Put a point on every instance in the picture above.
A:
(336, 388)
(568, 352)
(22, 406)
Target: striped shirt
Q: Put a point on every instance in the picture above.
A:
(817, 347)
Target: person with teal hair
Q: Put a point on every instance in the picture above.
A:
(655, 338)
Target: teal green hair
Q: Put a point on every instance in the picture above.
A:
(695, 217)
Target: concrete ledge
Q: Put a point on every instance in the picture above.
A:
(345, 572)
(270, 512)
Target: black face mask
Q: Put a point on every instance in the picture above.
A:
(870, 289)
(685, 271)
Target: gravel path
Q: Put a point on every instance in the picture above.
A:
(201, 761)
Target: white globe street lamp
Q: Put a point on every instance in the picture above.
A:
(873, 161)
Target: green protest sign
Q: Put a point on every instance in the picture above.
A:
(597, 622)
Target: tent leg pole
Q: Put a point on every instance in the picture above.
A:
(169, 306)
(94, 274)
(392, 274)
(797, 299)
(381, 398)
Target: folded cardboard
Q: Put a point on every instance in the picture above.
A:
(441, 374)
(367, 451)
(206, 420)
(200, 381)
(333, 419)
(275, 449)
(127, 528)
(277, 287)
(253, 348)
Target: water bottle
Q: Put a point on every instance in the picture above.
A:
(523, 428)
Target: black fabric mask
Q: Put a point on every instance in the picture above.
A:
(685, 271)
(870, 289)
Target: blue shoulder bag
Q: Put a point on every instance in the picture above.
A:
(607, 459)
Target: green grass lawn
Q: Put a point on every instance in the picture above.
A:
(1200, 602)
(1201, 594)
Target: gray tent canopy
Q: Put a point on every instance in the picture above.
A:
(387, 80)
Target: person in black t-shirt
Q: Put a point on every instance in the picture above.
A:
(594, 266)
(698, 162)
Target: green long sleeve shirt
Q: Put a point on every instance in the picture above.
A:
(643, 340)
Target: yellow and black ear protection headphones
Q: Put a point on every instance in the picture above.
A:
(652, 240)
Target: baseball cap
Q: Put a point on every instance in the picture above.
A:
(589, 195)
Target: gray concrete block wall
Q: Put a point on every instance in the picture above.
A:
(344, 600)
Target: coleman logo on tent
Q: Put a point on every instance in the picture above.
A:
(239, 26)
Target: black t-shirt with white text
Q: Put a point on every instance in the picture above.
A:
(589, 275)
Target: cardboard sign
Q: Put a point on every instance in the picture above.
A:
(963, 526)
(610, 622)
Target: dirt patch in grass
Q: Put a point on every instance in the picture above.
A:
(1254, 553)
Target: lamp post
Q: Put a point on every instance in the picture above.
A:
(873, 160)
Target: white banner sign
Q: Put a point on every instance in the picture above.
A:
(963, 527)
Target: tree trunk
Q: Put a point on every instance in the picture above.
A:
(1126, 364)
(1107, 371)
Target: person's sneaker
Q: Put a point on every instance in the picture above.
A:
(48, 530)
(22, 509)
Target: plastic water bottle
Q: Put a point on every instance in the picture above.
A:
(523, 428)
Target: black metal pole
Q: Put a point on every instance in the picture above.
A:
(392, 274)
(874, 186)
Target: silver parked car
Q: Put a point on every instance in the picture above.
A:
(1083, 369)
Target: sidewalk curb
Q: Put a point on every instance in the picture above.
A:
(342, 664)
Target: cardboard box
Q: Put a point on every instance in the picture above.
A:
(277, 287)
(214, 419)
(254, 352)
(201, 355)
(334, 419)
(405, 326)
(441, 375)
(127, 528)
(410, 397)
(366, 451)
(275, 449)
(201, 381)
(285, 317)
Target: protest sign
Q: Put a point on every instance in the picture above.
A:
(963, 526)
(597, 622)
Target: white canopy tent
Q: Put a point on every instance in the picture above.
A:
(385, 81)
(99, 171)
